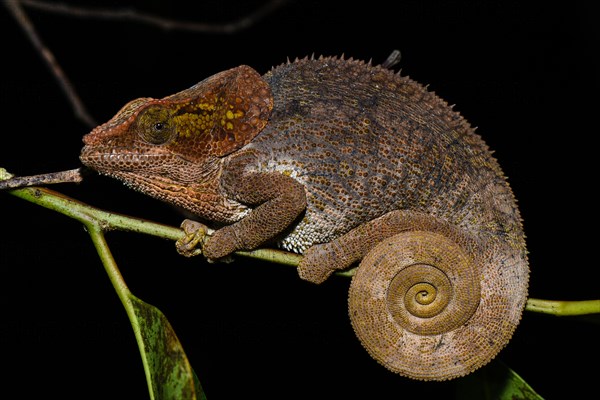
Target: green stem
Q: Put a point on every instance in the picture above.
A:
(97, 235)
(563, 308)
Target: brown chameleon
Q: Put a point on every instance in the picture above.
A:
(346, 163)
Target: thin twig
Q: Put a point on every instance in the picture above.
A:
(70, 176)
(14, 6)
(127, 14)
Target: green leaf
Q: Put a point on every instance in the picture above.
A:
(168, 371)
(495, 381)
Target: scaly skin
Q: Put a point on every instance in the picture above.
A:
(329, 158)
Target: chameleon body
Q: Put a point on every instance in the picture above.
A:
(340, 160)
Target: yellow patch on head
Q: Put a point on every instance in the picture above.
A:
(207, 106)
(223, 112)
(189, 124)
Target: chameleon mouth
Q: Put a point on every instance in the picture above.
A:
(107, 160)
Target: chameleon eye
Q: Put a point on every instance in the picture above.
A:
(155, 126)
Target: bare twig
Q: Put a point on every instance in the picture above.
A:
(163, 23)
(81, 112)
(70, 176)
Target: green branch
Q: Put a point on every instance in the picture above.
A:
(563, 308)
(109, 221)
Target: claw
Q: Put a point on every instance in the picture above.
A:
(195, 235)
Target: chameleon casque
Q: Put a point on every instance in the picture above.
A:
(344, 162)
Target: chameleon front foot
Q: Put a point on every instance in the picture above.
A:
(195, 236)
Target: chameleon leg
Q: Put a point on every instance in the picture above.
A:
(322, 260)
(277, 200)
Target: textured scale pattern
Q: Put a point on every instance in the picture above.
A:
(448, 300)
(346, 163)
(358, 160)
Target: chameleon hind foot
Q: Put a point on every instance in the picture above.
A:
(316, 264)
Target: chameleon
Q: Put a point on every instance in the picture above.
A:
(347, 163)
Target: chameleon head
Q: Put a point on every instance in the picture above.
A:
(181, 133)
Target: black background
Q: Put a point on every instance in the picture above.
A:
(525, 73)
